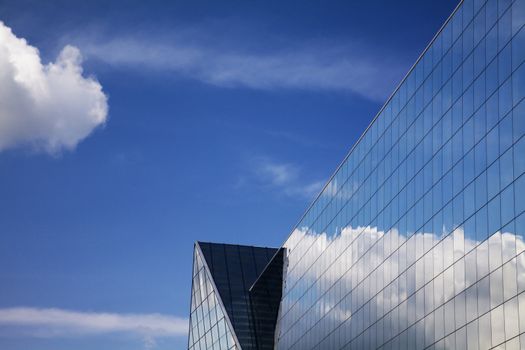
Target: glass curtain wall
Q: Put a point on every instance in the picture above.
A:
(209, 327)
(417, 241)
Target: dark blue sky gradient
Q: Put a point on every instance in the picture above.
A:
(110, 226)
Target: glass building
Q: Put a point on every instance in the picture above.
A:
(233, 289)
(418, 239)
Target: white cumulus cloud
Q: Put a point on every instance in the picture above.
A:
(48, 107)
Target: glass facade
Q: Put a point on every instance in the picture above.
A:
(265, 298)
(209, 326)
(417, 241)
(222, 311)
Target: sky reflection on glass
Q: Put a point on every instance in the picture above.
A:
(418, 238)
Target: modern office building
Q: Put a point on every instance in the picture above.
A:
(417, 240)
(235, 296)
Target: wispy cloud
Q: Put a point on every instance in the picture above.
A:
(307, 191)
(278, 174)
(283, 177)
(354, 67)
(51, 323)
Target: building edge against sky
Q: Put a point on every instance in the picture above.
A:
(236, 292)
(417, 240)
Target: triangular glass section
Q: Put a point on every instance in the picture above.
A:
(209, 326)
(234, 268)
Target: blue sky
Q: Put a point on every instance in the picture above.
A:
(179, 121)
